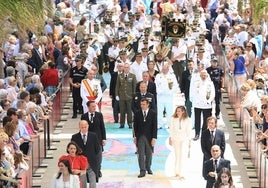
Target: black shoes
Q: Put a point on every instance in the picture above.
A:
(141, 175)
(130, 126)
(74, 116)
(150, 172)
(121, 126)
(196, 137)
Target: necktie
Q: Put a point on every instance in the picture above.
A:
(212, 136)
(126, 77)
(91, 117)
(144, 115)
(215, 164)
(84, 139)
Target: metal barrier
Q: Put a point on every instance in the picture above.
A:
(40, 145)
(244, 120)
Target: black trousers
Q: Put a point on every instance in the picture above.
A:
(178, 68)
(77, 100)
(115, 105)
(197, 121)
(145, 151)
(217, 100)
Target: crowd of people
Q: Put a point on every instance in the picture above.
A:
(148, 71)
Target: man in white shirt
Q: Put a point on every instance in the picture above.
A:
(202, 93)
(138, 67)
(178, 57)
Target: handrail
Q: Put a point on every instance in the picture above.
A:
(245, 122)
(40, 145)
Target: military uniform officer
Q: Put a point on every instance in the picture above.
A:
(124, 92)
(136, 101)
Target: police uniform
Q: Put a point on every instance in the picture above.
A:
(77, 75)
(216, 75)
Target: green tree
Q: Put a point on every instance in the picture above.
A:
(20, 15)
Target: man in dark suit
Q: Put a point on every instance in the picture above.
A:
(37, 56)
(185, 85)
(212, 136)
(124, 92)
(136, 101)
(145, 135)
(115, 103)
(151, 88)
(88, 142)
(213, 166)
(96, 125)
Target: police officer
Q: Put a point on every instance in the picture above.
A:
(77, 74)
(217, 76)
(136, 102)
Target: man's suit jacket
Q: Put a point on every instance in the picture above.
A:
(148, 128)
(151, 88)
(125, 88)
(113, 84)
(37, 59)
(206, 143)
(185, 83)
(136, 101)
(90, 149)
(97, 126)
(209, 167)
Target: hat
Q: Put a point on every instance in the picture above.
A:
(78, 58)
(122, 52)
(201, 50)
(138, 54)
(144, 50)
(198, 43)
(122, 39)
(214, 60)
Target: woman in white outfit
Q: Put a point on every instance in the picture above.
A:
(180, 129)
(65, 178)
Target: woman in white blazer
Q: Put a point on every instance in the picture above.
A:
(180, 129)
(65, 178)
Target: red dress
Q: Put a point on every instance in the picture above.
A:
(78, 162)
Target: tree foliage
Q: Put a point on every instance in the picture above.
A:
(22, 15)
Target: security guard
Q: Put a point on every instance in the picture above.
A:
(77, 74)
(216, 74)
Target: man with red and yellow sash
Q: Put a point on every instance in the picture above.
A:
(90, 90)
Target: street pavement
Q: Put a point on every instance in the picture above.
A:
(120, 164)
